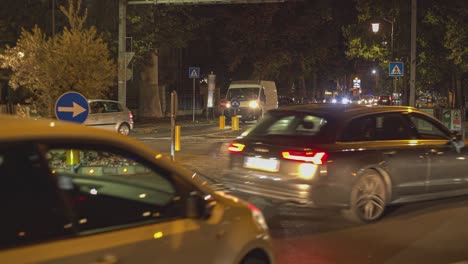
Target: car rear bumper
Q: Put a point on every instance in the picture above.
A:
(293, 193)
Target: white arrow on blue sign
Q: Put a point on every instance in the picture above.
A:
(395, 69)
(194, 72)
(72, 107)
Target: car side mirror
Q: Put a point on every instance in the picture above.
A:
(198, 206)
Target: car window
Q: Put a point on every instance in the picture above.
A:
(377, 127)
(428, 129)
(32, 210)
(391, 127)
(289, 124)
(359, 129)
(108, 190)
(112, 107)
(96, 107)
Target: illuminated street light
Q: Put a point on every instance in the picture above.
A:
(375, 29)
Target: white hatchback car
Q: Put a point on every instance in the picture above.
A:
(110, 115)
(72, 194)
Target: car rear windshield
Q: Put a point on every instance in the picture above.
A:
(291, 124)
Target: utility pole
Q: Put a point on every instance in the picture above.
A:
(412, 93)
(122, 67)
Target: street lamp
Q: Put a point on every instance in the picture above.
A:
(375, 29)
(374, 72)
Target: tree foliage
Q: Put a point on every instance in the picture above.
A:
(77, 59)
(285, 42)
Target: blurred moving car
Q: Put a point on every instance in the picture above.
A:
(73, 194)
(110, 115)
(352, 157)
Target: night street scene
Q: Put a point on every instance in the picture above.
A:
(234, 131)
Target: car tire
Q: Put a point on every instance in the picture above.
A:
(124, 129)
(255, 257)
(368, 198)
(254, 260)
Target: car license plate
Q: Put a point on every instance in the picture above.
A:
(271, 165)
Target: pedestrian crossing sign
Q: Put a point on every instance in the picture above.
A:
(395, 69)
(194, 72)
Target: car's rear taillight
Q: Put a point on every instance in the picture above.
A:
(305, 156)
(130, 115)
(236, 148)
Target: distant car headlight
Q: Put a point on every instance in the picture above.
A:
(345, 101)
(333, 101)
(253, 104)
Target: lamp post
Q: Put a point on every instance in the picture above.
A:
(374, 72)
(375, 29)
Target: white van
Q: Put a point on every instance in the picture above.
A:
(255, 97)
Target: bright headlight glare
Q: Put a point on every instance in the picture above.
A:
(228, 105)
(253, 104)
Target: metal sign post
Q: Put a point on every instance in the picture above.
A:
(193, 103)
(194, 73)
(173, 122)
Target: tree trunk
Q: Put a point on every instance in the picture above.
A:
(459, 100)
(301, 88)
(150, 103)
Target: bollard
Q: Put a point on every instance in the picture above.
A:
(235, 123)
(222, 122)
(177, 138)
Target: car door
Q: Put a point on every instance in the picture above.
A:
(448, 161)
(387, 136)
(121, 210)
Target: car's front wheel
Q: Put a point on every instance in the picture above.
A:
(368, 198)
(124, 129)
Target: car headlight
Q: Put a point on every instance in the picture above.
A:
(333, 101)
(258, 217)
(253, 104)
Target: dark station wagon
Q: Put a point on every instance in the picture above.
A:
(360, 159)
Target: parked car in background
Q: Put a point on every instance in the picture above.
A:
(384, 100)
(72, 194)
(110, 115)
(355, 158)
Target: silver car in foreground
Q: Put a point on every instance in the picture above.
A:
(110, 115)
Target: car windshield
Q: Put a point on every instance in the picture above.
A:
(243, 94)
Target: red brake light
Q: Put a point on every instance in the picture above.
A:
(130, 115)
(236, 147)
(316, 158)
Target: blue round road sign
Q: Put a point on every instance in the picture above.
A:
(72, 107)
(235, 103)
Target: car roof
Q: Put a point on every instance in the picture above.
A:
(16, 128)
(339, 111)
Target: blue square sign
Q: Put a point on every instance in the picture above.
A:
(395, 69)
(194, 72)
